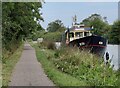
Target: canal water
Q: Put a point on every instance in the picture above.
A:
(114, 55)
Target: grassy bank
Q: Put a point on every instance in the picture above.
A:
(72, 67)
(8, 65)
(58, 77)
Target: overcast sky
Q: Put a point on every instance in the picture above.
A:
(66, 10)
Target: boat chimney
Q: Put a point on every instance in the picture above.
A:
(74, 20)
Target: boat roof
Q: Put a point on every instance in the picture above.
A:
(80, 28)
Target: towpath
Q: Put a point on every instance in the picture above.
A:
(28, 71)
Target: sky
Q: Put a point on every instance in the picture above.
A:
(64, 11)
(82, 0)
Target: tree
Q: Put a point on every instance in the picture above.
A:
(56, 25)
(114, 36)
(100, 27)
(18, 21)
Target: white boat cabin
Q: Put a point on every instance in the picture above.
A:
(78, 31)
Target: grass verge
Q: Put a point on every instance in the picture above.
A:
(58, 77)
(71, 67)
(8, 65)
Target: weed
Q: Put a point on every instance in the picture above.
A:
(89, 69)
(85, 66)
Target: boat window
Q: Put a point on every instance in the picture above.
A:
(86, 33)
(71, 34)
(79, 34)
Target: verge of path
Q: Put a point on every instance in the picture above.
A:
(28, 71)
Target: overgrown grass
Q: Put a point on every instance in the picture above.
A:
(85, 66)
(72, 67)
(8, 65)
(58, 77)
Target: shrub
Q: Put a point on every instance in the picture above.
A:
(51, 45)
(55, 36)
(47, 45)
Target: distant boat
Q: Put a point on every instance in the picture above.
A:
(81, 36)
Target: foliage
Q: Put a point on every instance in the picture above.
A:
(8, 64)
(59, 78)
(18, 21)
(36, 35)
(85, 66)
(47, 36)
(51, 45)
(89, 69)
(114, 34)
(56, 25)
(47, 44)
(100, 27)
(52, 36)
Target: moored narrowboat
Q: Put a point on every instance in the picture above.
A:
(79, 35)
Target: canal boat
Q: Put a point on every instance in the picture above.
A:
(80, 36)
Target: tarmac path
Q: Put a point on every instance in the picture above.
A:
(28, 71)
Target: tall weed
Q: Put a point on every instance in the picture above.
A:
(85, 66)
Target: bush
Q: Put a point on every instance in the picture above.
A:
(52, 36)
(9, 49)
(51, 45)
(47, 45)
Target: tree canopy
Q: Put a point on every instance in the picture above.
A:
(115, 33)
(56, 25)
(102, 28)
(99, 24)
(19, 20)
